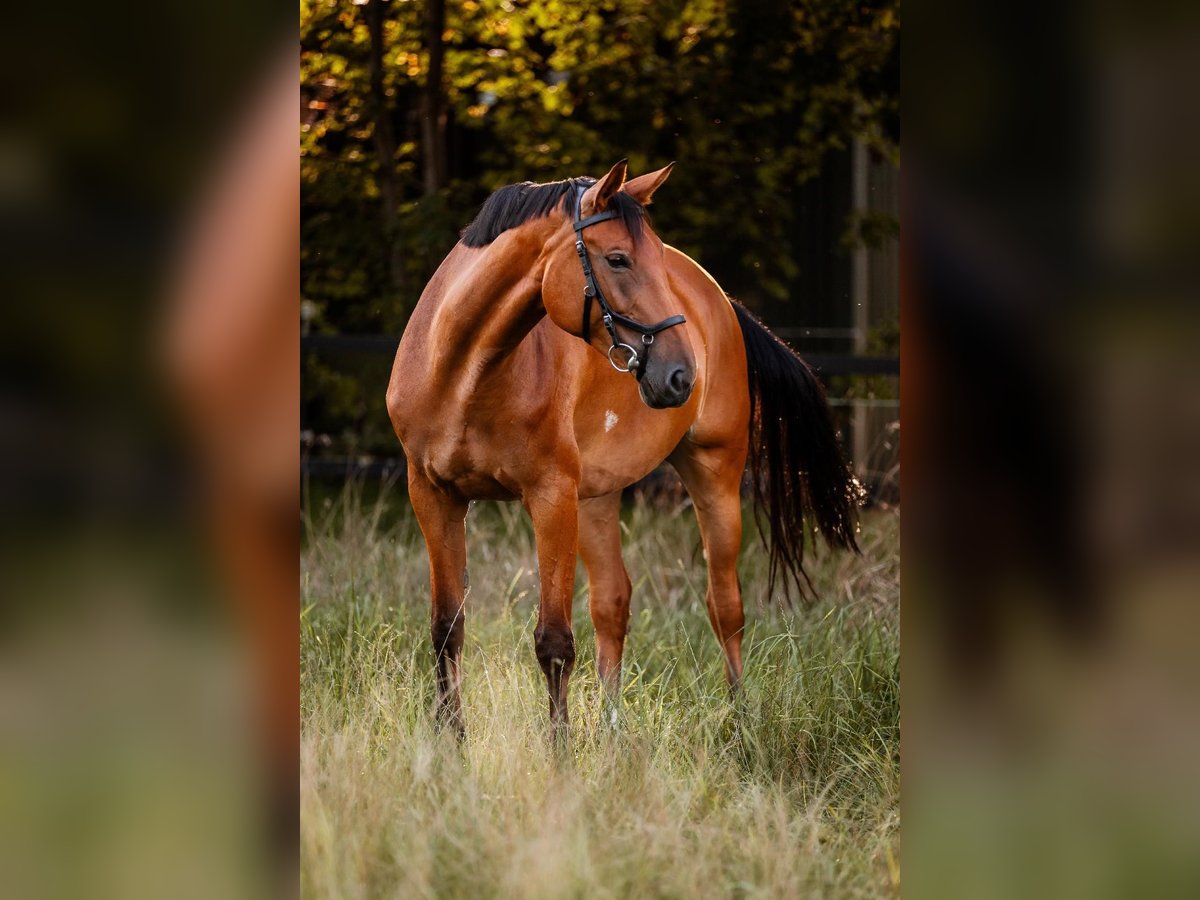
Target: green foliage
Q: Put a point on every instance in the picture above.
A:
(751, 98)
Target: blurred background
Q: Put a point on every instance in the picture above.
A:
(140, 752)
(784, 119)
(1051, 534)
(1048, 286)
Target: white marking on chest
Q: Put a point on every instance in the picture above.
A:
(610, 419)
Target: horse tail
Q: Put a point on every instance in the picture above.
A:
(799, 473)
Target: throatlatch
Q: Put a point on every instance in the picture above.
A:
(591, 291)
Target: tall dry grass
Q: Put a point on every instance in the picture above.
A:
(792, 789)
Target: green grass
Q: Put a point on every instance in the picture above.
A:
(792, 789)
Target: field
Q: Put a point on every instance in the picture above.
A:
(790, 790)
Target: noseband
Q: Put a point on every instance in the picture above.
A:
(591, 291)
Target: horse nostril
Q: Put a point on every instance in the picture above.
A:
(679, 381)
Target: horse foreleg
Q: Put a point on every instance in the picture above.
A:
(553, 507)
(713, 479)
(609, 588)
(443, 523)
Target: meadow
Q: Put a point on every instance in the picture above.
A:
(791, 789)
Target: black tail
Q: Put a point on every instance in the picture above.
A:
(796, 463)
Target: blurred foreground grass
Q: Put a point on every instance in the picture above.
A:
(791, 790)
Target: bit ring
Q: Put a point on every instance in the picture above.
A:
(631, 362)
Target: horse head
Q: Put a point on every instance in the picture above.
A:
(606, 281)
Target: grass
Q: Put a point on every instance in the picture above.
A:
(792, 789)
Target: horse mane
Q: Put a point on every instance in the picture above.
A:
(516, 204)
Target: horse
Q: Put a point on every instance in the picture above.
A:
(527, 372)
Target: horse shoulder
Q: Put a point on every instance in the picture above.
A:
(405, 394)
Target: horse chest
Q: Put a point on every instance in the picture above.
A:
(478, 458)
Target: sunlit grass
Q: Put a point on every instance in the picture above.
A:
(790, 789)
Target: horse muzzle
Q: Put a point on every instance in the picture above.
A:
(669, 387)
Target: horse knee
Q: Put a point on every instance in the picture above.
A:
(447, 635)
(555, 648)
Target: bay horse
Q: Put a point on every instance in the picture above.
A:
(527, 372)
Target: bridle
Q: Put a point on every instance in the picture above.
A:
(591, 291)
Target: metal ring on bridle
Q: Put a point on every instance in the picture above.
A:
(630, 364)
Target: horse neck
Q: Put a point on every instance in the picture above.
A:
(492, 302)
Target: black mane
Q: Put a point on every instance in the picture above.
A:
(516, 204)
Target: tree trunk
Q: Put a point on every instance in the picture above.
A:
(433, 105)
(384, 136)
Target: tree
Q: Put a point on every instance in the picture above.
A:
(384, 139)
(433, 107)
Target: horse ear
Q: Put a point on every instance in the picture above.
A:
(596, 198)
(643, 187)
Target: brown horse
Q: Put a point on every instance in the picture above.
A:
(496, 394)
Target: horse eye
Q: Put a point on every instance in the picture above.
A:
(618, 262)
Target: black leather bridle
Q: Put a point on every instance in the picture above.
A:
(591, 291)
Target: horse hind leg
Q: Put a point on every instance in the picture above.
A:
(443, 523)
(713, 479)
(609, 588)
